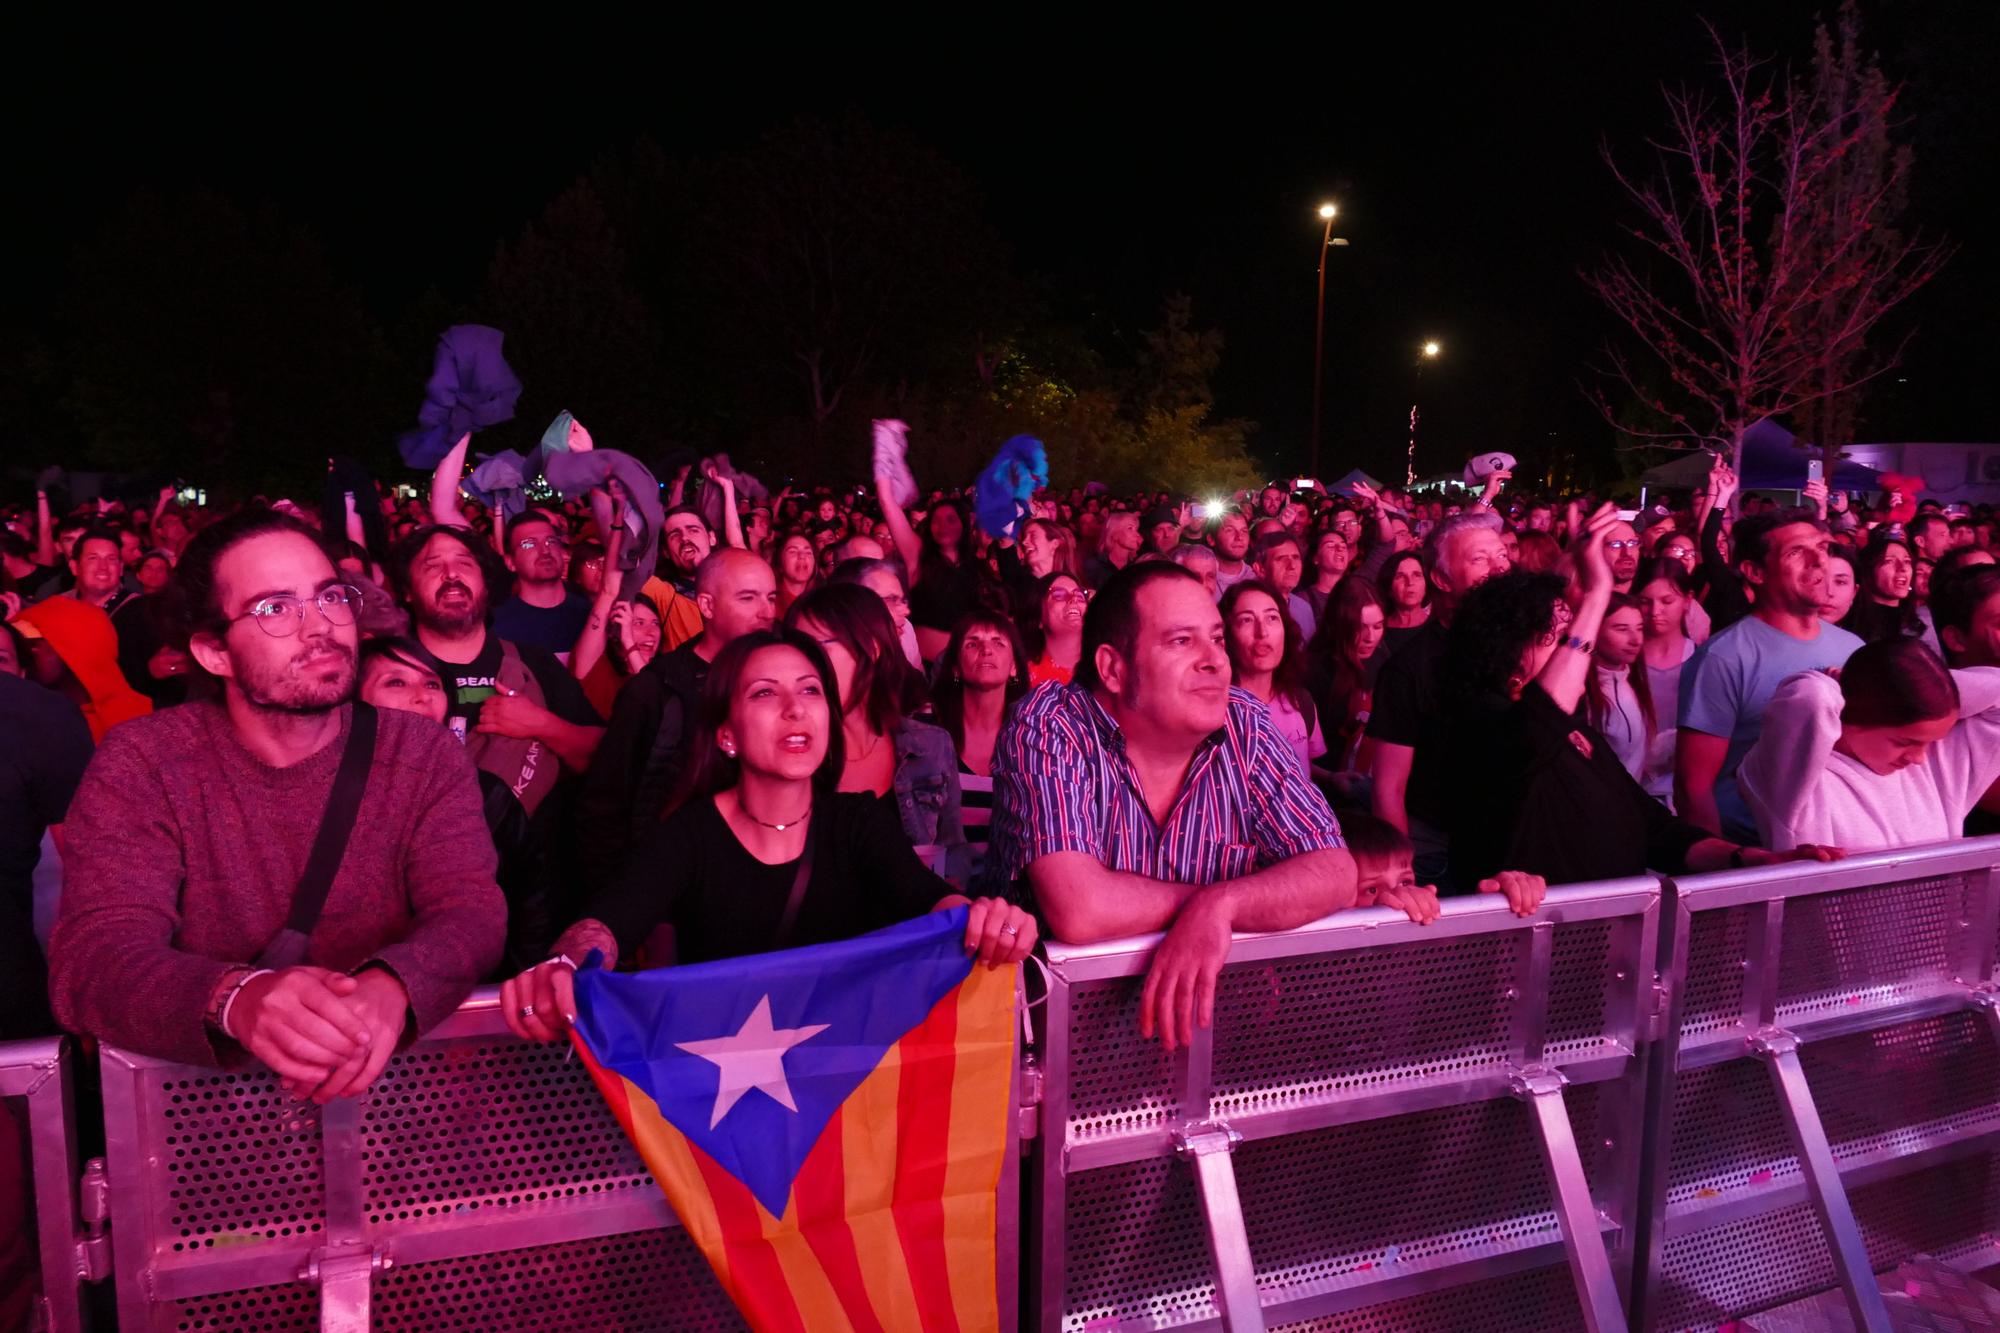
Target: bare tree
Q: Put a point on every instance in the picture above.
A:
(1768, 255)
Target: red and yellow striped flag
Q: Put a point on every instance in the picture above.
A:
(829, 1123)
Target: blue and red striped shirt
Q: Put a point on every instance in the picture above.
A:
(1062, 783)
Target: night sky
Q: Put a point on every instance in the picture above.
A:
(1120, 166)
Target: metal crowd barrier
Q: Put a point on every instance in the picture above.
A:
(45, 1214)
(481, 1183)
(1600, 1117)
(1828, 1099)
(1438, 1122)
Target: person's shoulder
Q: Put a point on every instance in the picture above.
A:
(414, 741)
(34, 710)
(167, 732)
(1842, 641)
(914, 733)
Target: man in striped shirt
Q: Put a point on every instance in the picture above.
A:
(1151, 796)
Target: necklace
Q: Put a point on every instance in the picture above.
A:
(765, 823)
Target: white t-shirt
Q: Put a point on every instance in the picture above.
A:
(1804, 791)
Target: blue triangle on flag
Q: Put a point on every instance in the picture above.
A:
(867, 993)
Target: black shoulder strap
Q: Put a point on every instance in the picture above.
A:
(343, 803)
(783, 938)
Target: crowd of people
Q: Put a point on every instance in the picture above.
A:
(290, 780)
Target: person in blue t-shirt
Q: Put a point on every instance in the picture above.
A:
(1731, 678)
(544, 610)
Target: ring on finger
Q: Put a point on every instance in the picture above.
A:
(1010, 930)
(527, 1011)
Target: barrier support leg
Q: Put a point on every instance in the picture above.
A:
(1780, 1051)
(1583, 1238)
(1207, 1148)
(345, 1270)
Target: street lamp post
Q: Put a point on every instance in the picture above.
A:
(1430, 353)
(1326, 212)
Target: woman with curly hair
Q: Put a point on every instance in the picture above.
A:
(1538, 788)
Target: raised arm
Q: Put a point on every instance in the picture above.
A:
(1567, 671)
(907, 544)
(590, 644)
(732, 525)
(1780, 772)
(444, 486)
(45, 532)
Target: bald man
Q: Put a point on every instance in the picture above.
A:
(645, 745)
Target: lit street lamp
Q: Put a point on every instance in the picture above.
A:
(1431, 348)
(1326, 213)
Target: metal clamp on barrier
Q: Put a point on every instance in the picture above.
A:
(1827, 1095)
(1439, 1120)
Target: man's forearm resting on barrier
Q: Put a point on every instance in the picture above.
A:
(1084, 902)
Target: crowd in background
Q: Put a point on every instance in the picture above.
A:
(822, 710)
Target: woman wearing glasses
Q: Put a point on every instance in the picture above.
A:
(1054, 630)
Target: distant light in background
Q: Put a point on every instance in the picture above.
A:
(1432, 349)
(1327, 211)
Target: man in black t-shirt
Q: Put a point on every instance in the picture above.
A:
(1407, 725)
(513, 704)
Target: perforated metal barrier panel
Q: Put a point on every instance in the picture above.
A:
(1827, 1098)
(1381, 1112)
(480, 1184)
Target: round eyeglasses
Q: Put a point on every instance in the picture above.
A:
(284, 615)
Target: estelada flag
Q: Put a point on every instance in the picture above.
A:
(829, 1122)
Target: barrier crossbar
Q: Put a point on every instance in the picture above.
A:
(37, 1099)
(1827, 1097)
(1381, 1112)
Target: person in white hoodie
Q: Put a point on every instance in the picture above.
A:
(1891, 753)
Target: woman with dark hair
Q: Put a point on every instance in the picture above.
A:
(1267, 657)
(1667, 608)
(887, 750)
(1052, 627)
(944, 576)
(1346, 656)
(1618, 700)
(1884, 608)
(796, 564)
(984, 673)
(762, 851)
(1894, 752)
(1538, 788)
(1404, 586)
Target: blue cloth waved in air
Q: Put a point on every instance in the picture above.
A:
(470, 387)
(1004, 489)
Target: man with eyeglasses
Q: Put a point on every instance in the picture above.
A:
(190, 835)
(1621, 548)
(544, 609)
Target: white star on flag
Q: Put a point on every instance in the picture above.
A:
(753, 1058)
